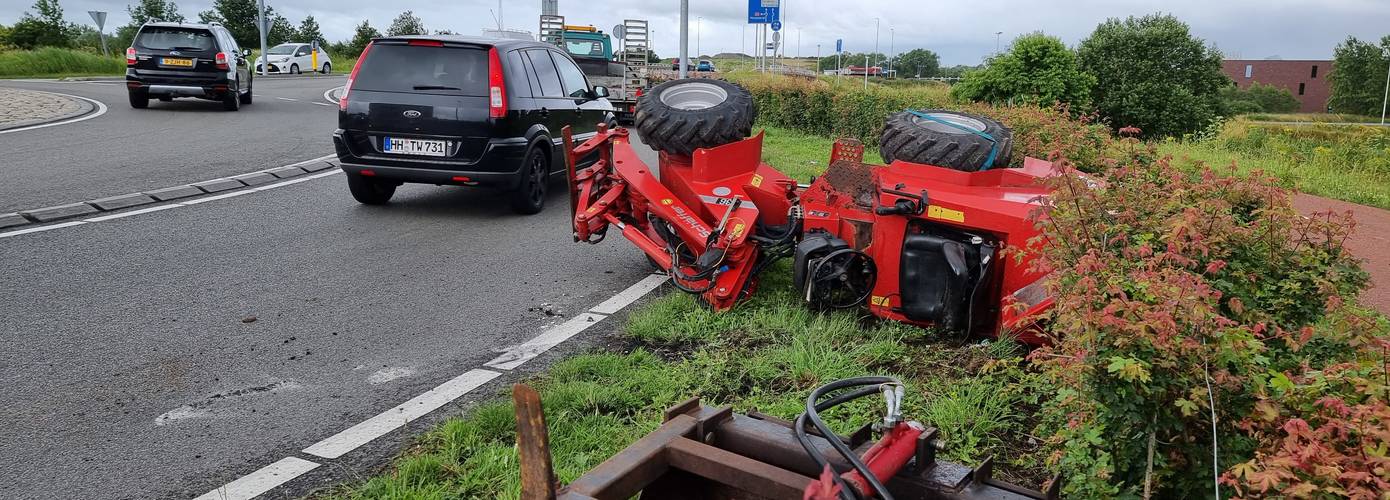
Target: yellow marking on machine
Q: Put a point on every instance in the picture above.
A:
(879, 300)
(757, 180)
(937, 212)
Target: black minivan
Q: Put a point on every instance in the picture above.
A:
(461, 110)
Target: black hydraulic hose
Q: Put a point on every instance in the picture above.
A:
(812, 415)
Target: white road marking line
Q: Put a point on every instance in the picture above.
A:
(219, 197)
(549, 338)
(323, 104)
(392, 419)
(286, 99)
(296, 181)
(101, 110)
(105, 218)
(311, 160)
(41, 228)
(630, 295)
(328, 94)
(263, 480)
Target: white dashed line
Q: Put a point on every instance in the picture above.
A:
(630, 295)
(263, 480)
(100, 110)
(552, 337)
(286, 99)
(393, 419)
(41, 228)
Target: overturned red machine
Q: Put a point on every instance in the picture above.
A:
(919, 243)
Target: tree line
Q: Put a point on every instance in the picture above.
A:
(43, 26)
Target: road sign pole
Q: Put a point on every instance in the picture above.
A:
(685, 37)
(1385, 100)
(100, 18)
(260, 16)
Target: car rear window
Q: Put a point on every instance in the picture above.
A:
(414, 68)
(171, 38)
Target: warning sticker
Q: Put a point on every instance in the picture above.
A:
(666, 201)
(757, 180)
(937, 212)
(878, 300)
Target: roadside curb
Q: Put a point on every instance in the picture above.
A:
(84, 107)
(191, 190)
(114, 78)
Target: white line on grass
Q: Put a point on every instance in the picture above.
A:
(630, 295)
(263, 480)
(392, 419)
(101, 110)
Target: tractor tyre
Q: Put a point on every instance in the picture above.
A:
(911, 138)
(681, 116)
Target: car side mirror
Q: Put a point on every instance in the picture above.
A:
(599, 92)
(245, 52)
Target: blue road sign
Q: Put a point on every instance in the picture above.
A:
(776, 25)
(839, 45)
(763, 11)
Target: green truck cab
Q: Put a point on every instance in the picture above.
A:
(589, 45)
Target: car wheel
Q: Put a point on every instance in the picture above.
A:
(230, 100)
(327, 68)
(369, 191)
(294, 69)
(946, 139)
(246, 98)
(139, 99)
(529, 197)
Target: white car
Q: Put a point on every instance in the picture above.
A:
(295, 58)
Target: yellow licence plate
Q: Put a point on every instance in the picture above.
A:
(173, 61)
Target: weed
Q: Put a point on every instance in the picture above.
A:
(51, 61)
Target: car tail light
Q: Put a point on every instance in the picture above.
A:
(130, 56)
(426, 43)
(221, 60)
(347, 87)
(497, 91)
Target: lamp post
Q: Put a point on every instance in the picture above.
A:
(1385, 100)
(866, 70)
(891, 39)
(698, 22)
(996, 41)
(685, 38)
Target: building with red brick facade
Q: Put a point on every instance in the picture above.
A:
(1306, 80)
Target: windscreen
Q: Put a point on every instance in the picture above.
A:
(584, 48)
(281, 50)
(412, 68)
(173, 38)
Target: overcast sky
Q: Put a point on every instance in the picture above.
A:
(962, 31)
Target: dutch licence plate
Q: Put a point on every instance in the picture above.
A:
(175, 61)
(425, 147)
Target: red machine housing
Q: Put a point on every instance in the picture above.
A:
(913, 221)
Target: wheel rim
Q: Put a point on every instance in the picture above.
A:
(537, 175)
(953, 119)
(694, 96)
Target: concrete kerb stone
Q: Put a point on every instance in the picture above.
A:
(254, 178)
(318, 166)
(122, 201)
(216, 185)
(174, 193)
(285, 172)
(11, 220)
(59, 212)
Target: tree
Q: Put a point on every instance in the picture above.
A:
(918, 63)
(281, 30)
(360, 38)
(1358, 76)
(146, 11)
(309, 31)
(850, 59)
(1151, 73)
(239, 17)
(1257, 98)
(47, 29)
(444, 32)
(407, 24)
(1037, 69)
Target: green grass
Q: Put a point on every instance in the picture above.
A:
(1312, 117)
(1345, 163)
(801, 155)
(52, 62)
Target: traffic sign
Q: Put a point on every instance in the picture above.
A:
(763, 11)
(99, 17)
(776, 37)
(776, 25)
(620, 31)
(839, 45)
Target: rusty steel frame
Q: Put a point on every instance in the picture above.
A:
(707, 452)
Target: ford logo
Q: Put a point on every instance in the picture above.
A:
(174, 53)
(410, 113)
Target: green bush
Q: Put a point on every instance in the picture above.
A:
(1151, 73)
(1257, 98)
(1358, 83)
(1038, 70)
(50, 61)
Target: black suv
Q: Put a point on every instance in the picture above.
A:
(168, 60)
(464, 111)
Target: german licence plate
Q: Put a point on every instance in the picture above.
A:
(424, 147)
(176, 61)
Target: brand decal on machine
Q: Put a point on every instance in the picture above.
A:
(690, 221)
(725, 201)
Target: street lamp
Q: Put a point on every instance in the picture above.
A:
(866, 70)
(891, 39)
(1385, 100)
(996, 41)
(698, 22)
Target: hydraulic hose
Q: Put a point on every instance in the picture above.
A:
(812, 414)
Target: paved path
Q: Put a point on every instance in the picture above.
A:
(1369, 241)
(22, 108)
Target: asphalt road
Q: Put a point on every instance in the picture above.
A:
(129, 367)
(187, 140)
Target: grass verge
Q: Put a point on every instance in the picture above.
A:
(766, 354)
(1312, 117)
(52, 62)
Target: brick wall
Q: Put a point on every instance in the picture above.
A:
(1289, 75)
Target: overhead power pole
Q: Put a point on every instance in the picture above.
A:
(685, 37)
(260, 16)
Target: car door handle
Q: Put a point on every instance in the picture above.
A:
(544, 112)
